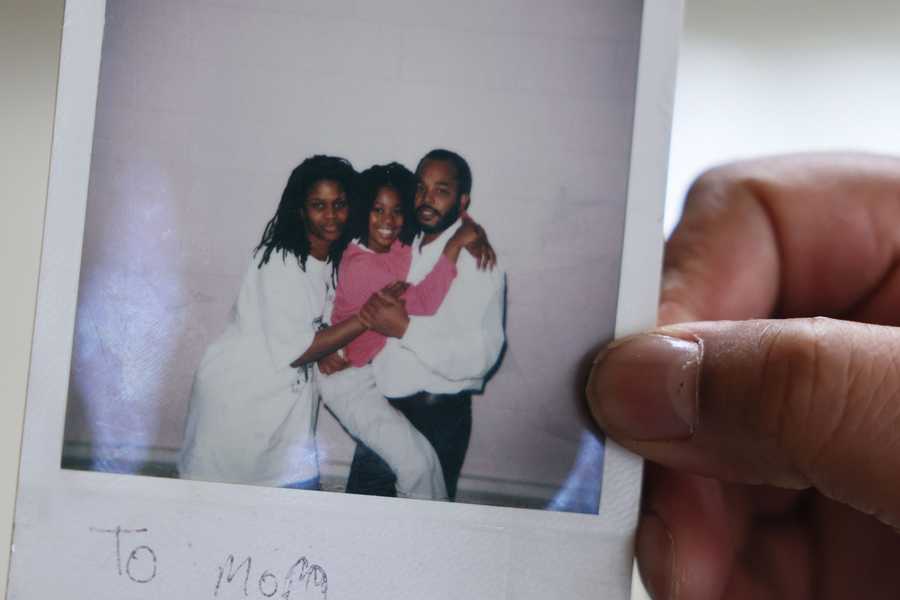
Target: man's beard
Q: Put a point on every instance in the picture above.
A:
(446, 220)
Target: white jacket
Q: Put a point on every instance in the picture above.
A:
(455, 349)
(252, 416)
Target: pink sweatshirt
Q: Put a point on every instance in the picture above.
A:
(364, 272)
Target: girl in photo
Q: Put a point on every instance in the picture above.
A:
(384, 224)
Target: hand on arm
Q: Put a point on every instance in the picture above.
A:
(775, 440)
(396, 289)
(328, 341)
(332, 363)
(473, 238)
(385, 313)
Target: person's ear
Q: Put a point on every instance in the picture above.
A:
(464, 202)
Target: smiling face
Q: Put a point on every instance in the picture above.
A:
(438, 201)
(385, 220)
(324, 216)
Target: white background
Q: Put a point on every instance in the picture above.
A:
(754, 78)
(773, 76)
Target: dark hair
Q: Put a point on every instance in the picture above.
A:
(463, 172)
(285, 231)
(369, 183)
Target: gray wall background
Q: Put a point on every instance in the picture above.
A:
(205, 107)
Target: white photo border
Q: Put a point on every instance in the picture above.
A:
(193, 526)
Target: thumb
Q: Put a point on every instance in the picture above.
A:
(793, 403)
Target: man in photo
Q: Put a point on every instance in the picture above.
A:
(431, 365)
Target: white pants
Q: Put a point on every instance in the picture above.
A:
(352, 396)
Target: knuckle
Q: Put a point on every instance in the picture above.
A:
(719, 191)
(804, 383)
(706, 190)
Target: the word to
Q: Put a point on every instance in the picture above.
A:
(140, 566)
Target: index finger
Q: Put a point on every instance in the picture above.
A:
(386, 299)
(492, 258)
(788, 236)
(398, 287)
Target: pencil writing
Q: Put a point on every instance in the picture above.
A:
(141, 564)
(303, 576)
(235, 575)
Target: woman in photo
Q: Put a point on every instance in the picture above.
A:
(253, 405)
(383, 225)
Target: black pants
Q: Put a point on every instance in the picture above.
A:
(444, 419)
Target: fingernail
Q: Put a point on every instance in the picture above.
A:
(655, 550)
(645, 387)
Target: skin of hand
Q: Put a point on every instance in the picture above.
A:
(396, 289)
(771, 413)
(332, 363)
(474, 239)
(385, 314)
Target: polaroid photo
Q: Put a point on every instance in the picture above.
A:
(320, 287)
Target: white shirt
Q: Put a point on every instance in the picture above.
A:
(252, 416)
(453, 350)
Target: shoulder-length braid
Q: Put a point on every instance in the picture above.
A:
(369, 183)
(285, 232)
